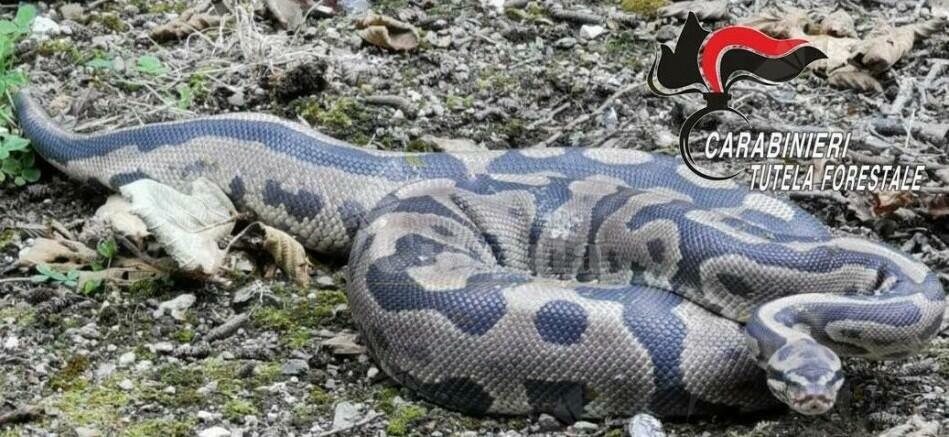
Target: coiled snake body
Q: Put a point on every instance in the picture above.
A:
(578, 282)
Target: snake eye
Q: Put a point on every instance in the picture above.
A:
(806, 376)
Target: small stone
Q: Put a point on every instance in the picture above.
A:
(163, 347)
(236, 99)
(11, 343)
(354, 6)
(45, 26)
(104, 371)
(126, 359)
(346, 414)
(207, 416)
(584, 426)
(170, 390)
(589, 32)
(208, 389)
(177, 307)
(72, 11)
(325, 281)
(547, 423)
(228, 328)
(372, 373)
(126, 384)
(565, 43)
(215, 431)
(295, 367)
(85, 431)
(644, 425)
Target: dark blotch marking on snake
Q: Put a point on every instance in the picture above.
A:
(301, 205)
(564, 400)
(354, 217)
(735, 284)
(120, 179)
(657, 250)
(561, 322)
(237, 188)
(460, 394)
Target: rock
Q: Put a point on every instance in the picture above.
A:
(236, 99)
(294, 367)
(344, 344)
(177, 307)
(372, 373)
(548, 423)
(104, 371)
(162, 347)
(346, 414)
(565, 43)
(72, 11)
(584, 426)
(126, 359)
(493, 5)
(208, 389)
(207, 416)
(126, 384)
(917, 426)
(248, 292)
(215, 431)
(45, 26)
(228, 328)
(325, 281)
(85, 431)
(589, 32)
(11, 343)
(644, 425)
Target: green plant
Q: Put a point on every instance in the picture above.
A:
(150, 65)
(17, 161)
(47, 274)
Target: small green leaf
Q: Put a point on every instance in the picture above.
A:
(24, 17)
(8, 27)
(91, 286)
(31, 174)
(27, 159)
(185, 96)
(10, 167)
(151, 65)
(4, 153)
(39, 278)
(101, 64)
(19, 181)
(3, 176)
(14, 143)
(70, 284)
(49, 272)
(107, 248)
(72, 275)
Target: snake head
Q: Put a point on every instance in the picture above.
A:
(806, 376)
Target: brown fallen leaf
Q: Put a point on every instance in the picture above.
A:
(65, 254)
(783, 23)
(839, 24)
(124, 272)
(117, 214)
(851, 77)
(288, 254)
(889, 201)
(190, 21)
(388, 33)
(938, 206)
(886, 47)
(704, 10)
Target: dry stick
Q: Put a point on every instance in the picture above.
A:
(553, 113)
(583, 118)
(358, 424)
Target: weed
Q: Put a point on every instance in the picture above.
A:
(16, 159)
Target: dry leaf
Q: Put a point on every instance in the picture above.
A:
(117, 214)
(344, 344)
(850, 77)
(889, 201)
(190, 21)
(288, 253)
(388, 33)
(938, 206)
(704, 10)
(838, 51)
(188, 226)
(784, 23)
(64, 254)
(129, 273)
(288, 13)
(839, 24)
(880, 52)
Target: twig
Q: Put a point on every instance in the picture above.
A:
(550, 116)
(17, 279)
(561, 14)
(360, 423)
(583, 118)
(393, 101)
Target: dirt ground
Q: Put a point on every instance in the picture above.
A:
(107, 362)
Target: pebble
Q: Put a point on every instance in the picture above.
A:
(584, 426)
(163, 347)
(85, 431)
(207, 416)
(325, 281)
(126, 384)
(372, 373)
(126, 359)
(72, 11)
(566, 43)
(208, 389)
(548, 423)
(236, 99)
(295, 367)
(644, 425)
(11, 343)
(346, 414)
(215, 431)
(589, 32)
(46, 26)
(177, 307)
(104, 371)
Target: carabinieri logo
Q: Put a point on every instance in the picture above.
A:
(715, 61)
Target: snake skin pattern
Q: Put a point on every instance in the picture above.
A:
(577, 282)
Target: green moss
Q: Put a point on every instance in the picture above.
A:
(145, 289)
(186, 382)
(615, 432)
(338, 116)
(318, 396)
(235, 409)
(385, 398)
(21, 316)
(266, 374)
(64, 46)
(224, 373)
(184, 335)
(98, 405)
(298, 338)
(160, 428)
(403, 417)
(326, 302)
(6, 237)
(295, 317)
(110, 21)
(70, 377)
(646, 8)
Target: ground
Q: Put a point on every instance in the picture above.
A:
(103, 363)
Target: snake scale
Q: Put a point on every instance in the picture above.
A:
(576, 282)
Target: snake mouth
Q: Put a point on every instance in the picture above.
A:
(811, 404)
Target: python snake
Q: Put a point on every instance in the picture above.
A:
(577, 282)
